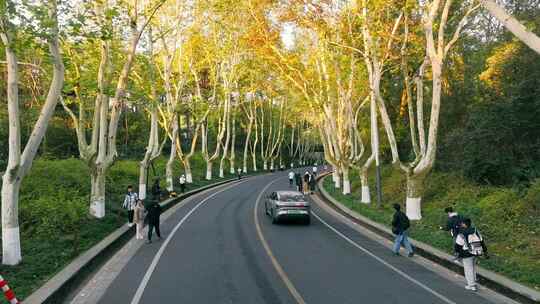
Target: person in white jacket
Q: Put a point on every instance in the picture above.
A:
(291, 178)
(182, 181)
(130, 200)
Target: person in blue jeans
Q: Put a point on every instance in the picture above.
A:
(400, 225)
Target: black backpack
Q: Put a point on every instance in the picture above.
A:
(405, 221)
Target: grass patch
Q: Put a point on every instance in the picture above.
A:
(508, 218)
(54, 221)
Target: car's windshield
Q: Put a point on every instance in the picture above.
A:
(291, 197)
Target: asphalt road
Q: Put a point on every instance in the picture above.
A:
(220, 248)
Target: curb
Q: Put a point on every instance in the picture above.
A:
(70, 277)
(490, 279)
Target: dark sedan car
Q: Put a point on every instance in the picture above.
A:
(287, 204)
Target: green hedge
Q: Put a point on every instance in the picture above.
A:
(509, 218)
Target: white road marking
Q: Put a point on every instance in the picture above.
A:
(155, 261)
(401, 273)
(294, 292)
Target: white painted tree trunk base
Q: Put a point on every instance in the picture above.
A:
(413, 207)
(366, 197)
(231, 171)
(337, 182)
(189, 178)
(11, 246)
(142, 191)
(208, 174)
(97, 208)
(245, 170)
(221, 173)
(346, 187)
(265, 166)
(170, 185)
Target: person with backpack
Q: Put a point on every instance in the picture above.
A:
(400, 225)
(453, 223)
(154, 212)
(130, 201)
(469, 245)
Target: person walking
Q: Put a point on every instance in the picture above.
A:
(239, 173)
(130, 200)
(305, 182)
(291, 178)
(154, 212)
(469, 245)
(156, 190)
(314, 170)
(400, 225)
(138, 219)
(298, 179)
(182, 181)
(453, 223)
(312, 183)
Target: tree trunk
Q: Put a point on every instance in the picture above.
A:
(272, 164)
(337, 178)
(521, 32)
(143, 170)
(208, 170)
(169, 174)
(187, 169)
(346, 180)
(265, 165)
(254, 159)
(221, 167)
(11, 242)
(97, 194)
(246, 146)
(366, 198)
(415, 189)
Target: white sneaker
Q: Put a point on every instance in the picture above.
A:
(471, 288)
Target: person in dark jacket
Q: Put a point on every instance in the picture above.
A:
(312, 183)
(156, 190)
(400, 225)
(298, 179)
(154, 212)
(453, 223)
(469, 260)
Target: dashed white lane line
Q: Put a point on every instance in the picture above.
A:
(140, 290)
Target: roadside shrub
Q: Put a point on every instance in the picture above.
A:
(532, 198)
(62, 215)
